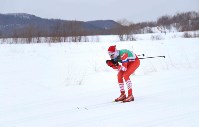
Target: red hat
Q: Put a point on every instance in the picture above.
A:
(112, 48)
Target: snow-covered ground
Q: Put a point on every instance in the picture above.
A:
(69, 85)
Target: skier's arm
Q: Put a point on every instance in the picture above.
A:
(124, 59)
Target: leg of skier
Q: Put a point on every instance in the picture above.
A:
(130, 70)
(121, 85)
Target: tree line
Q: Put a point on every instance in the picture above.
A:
(75, 32)
(186, 21)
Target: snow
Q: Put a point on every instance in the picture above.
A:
(69, 85)
(21, 15)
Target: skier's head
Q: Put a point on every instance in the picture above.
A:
(112, 51)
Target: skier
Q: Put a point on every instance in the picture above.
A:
(129, 63)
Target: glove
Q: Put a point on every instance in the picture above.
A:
(114, 62)
(109, 63)
(121, 68)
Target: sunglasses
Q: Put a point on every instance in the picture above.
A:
(111, 54)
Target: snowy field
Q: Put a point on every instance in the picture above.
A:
(69, 85)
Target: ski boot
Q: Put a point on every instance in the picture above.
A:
(129, 98)
(121, 97)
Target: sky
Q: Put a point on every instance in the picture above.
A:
(87, 10)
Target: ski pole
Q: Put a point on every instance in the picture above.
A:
(141, 55)
(152, 57)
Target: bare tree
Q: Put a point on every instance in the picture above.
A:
(76, 31)
(38, 36)
(65, 31)
(28, 33)
(124, 31)
(56, 35)
(1, 35)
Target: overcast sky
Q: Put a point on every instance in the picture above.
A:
(87, 10)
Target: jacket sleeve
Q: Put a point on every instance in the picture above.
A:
(124, 59)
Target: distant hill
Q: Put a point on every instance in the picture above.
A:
(16, 22)
(22, 25)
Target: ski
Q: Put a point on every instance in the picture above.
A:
(95, 106)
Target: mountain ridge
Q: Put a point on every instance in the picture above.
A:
(11, 22)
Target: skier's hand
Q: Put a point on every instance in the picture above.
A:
(121, 68)
(114, 62)
(109, 63)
